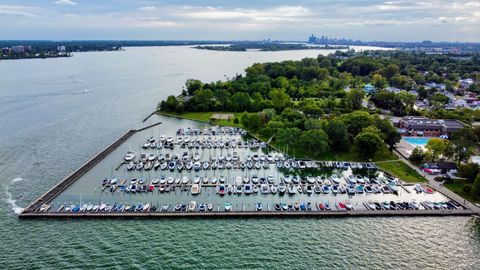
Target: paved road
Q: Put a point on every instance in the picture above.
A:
(438, 186)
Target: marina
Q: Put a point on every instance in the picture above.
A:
(205, 170)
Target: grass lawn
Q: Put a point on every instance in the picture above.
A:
(457, 187)
(402, 171)
(204, 116)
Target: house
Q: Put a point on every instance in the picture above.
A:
(422, 126)
(438, 86)
(369, 89)
(392, 89)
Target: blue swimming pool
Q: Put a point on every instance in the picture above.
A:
(417, 141)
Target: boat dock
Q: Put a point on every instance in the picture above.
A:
(222, 214)
(229, 175)
(70, 179)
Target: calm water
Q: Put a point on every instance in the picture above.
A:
(49, 125)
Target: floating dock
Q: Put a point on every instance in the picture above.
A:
(220, 214)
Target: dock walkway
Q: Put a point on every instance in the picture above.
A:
(70, 179)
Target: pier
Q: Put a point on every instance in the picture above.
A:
(253, 214)
(70, 179)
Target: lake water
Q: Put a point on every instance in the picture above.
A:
(57, 113)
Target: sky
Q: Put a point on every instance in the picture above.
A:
(391, 20)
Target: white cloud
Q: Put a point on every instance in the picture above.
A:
(65, 2)
(147, 8)
(21, 11)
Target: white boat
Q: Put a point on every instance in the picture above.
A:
(335, 179)
(129, 156)
(195, 189)
(264, 189)
(191, 206)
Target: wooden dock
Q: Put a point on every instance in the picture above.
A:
(70, 179)
(249, 214)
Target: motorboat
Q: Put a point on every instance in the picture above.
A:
(195, 189)
(130, 156)
(258, 206)
(335, 179)
(202, 207)
(221, 190)
(238, 189)
(230, 189)
(248, 189)
(228, 207)
(264, 189)
(317, 189)
(326, 189)
(130, 166)
(191, 206)
(281, 188)
(209, 207)
(273, 189)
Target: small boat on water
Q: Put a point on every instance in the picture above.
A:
(202, 207)
(228, 207)
(258, 206)
(335, 179)
(195, 189)
(284, 206)
(230, 189)
(209, 207)
(264, 189)
(326, 189)
(238, 189)
(248, 189)
(221, 190)
(191, 206)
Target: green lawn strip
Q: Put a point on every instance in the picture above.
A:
(401, 170)
(457, 185)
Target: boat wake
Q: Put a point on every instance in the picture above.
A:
(9, 198)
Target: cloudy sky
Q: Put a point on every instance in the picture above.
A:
(391, 20)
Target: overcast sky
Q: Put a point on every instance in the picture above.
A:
(391, 20)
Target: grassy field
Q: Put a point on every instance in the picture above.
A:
(457, 187)
(402, 171)
(203, 116)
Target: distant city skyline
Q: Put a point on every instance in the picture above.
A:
(367, 20)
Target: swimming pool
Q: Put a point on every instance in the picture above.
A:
(417, 141)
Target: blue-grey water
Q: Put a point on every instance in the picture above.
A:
(57, 113)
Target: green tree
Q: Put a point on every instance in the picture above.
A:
(170, 104)
(280, 99)
(354, 99)
(288, 136)
(469, 171)
(475, 191)
(368, 143)
(417, 156)
(240, 102)
(356, 121)
(193, 85)
(436, 146)
(315, 141)
(338, 134)
(390, 71)
(379, 81)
